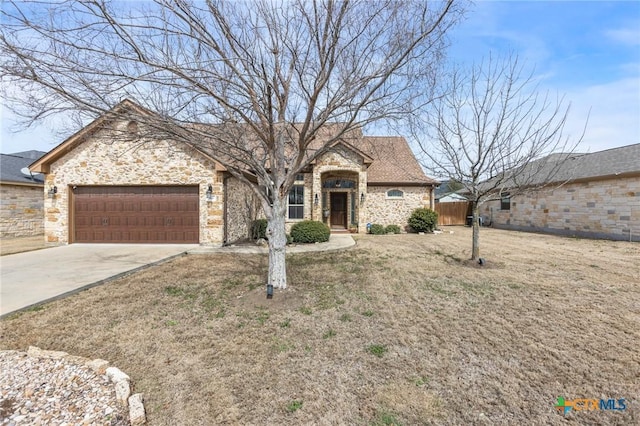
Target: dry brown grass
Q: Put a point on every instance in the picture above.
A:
(546, 317)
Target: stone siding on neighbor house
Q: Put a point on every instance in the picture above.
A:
(381, 209)
(598, 209)
(21, 211)
(101, 160)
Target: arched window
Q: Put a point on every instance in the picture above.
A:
(339, 183)
(395, 193)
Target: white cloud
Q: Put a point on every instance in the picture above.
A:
(627, 36)
(615, 114)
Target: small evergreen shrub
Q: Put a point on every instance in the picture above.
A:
(392, 229)
(259, 229)
(377, 229)
(289, 239)
(423, 220)
(310, 231)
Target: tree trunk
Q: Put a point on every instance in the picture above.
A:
(475, 246)
(277, 237)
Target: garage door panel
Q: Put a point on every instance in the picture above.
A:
(136, 214)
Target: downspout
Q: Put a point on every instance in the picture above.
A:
(432, 198)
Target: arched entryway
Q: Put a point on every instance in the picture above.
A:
(340, 200)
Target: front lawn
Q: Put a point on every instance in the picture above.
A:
(400, 329)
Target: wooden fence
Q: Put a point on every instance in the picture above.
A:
(453, 213)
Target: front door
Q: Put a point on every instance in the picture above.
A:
(339, 209)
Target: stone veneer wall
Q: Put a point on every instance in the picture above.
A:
(598, 209)
(337, 162)
(378, 208)
(243, 208)
(21, 211)
(101, 160)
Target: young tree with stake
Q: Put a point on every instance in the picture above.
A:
(493, 131)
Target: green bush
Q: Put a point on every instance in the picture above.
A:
(423, 220)
(259, 229)
(310, 231)
(289, 239)
(392, 229)
(377, 229)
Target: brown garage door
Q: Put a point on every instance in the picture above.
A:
(136, 214)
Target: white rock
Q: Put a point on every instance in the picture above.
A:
(137, 415)
(37, 352)
(123, 391)
(98, 366)
(115, 375)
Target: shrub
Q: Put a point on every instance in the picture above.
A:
(392, 229)
(259, 229)
(289, 239)
(310, 231)
(377, 229)
(423, 220)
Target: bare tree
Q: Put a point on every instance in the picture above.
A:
(493, 132)
(265, 85)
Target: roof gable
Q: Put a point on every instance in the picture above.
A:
(366, 159)
(389, 158)
(42, 165)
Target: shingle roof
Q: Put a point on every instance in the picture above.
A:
(608, 163)
(563, 167)
(394, 162)
(11, 164)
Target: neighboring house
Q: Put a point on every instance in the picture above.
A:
(103, 189)
(452, 207)
(21, 199)
(595, 195)
(451, 197)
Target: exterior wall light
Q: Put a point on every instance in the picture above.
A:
(53, 191)
(315, 200)
(210, 196)
(361, 197)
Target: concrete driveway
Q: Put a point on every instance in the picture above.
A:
(43, 275)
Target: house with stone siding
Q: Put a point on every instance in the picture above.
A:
(21, 198)
(594, 195)
(105, 189)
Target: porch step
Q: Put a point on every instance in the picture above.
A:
(339, 231)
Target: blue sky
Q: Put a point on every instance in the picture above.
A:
(588, 51)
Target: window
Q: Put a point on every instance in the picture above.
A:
(296, 202)
(353, 208)
(505, 202)
(395, 193)
(339, 183)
